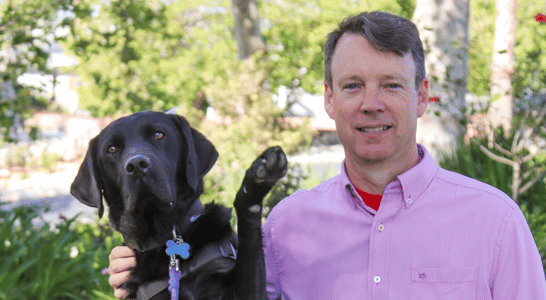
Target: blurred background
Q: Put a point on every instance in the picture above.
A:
(248, 74)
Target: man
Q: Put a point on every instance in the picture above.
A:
(392, 225)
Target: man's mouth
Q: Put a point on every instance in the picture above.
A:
(373, 129)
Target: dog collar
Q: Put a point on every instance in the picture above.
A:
(150, 243)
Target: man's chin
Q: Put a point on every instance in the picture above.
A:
(373, 154)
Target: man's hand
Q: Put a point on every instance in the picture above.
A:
(121, 258)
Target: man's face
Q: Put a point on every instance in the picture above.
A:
(373, 101)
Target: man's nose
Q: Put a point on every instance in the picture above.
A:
(372, 101)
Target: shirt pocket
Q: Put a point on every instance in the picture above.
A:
(443, 283)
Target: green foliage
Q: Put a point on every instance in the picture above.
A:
(530, 52)
(294, 180)
(161, 54)
(530, 55)
(297, 31)
(241, 137)
(20, 156)
(481, 34)
(148, 55)
(61, 262)
(27, 31)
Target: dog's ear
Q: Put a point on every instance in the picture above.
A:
(85, 186)
(201, 152)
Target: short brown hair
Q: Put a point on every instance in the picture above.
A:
(385, 32)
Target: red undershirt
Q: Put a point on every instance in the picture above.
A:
(370, 200)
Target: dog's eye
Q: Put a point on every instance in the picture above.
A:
(159, 135)
(112, 149)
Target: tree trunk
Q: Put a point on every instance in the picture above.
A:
(503, 65)
(443, 27)
(247, 27)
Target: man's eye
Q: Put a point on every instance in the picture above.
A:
(351, 86)
(393, 85)
(112, 149)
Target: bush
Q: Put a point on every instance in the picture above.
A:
(62, 261)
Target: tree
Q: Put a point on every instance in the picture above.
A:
(524, 151)
(503, 65)
(443, 26)
(27, 33)
(247, 27)
(130, 55)
(527, 166)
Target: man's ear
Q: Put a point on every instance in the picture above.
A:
(422, 97)
(328, 100)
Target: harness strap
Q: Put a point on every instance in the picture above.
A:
(224, 249)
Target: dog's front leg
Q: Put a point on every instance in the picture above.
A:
(264, 173)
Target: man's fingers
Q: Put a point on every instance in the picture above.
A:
(120, 252)
(118, 279)
(121, 294)
(121, 264)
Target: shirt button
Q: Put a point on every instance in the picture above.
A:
(377, 279)
(381, 227)
(409, 201)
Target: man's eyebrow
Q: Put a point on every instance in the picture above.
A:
(349, 78)
(398, 77)
(384, 77)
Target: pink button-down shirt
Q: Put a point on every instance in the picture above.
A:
(437, 235)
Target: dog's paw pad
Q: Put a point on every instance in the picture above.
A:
(254, 208)
(261, 172)
(271, 165)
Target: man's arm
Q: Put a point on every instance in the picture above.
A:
(518, 272)
(271, 265)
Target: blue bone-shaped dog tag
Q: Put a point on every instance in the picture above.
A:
(180, 249)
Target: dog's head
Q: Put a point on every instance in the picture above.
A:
(149, 161)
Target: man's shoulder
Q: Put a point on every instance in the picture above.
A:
(302, 197)
(474, 186)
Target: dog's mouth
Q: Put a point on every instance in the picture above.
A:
(138, 218)
(143, 202)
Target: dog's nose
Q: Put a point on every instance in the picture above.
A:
(137, 163)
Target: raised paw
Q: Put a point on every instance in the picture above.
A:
(270, 166)
(259, 179)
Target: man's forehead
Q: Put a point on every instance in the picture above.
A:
(354, 52)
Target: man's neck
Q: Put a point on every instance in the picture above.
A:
(373, 177)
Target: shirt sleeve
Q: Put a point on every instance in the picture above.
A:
(271, 266)
(518, 272)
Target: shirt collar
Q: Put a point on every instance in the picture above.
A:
(413, 182)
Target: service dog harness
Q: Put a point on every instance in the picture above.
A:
(193, 261)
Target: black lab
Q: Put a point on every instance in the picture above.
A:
(149, 169)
